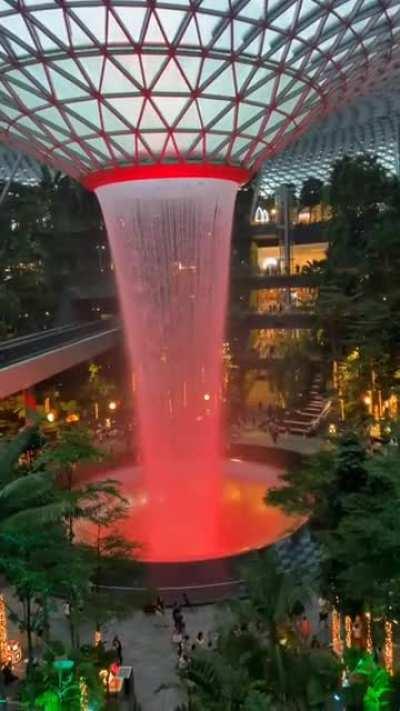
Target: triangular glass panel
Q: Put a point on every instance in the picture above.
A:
(17, 26)
(170, 107)
(210, 67)
(93, 67)
(184, 141)
(54, 116)
(79, 37)
(30, 98)
(153, 32)
(94, 20)
(210, 108)
(155, 141)
(254, 128)
(254, 9)
(169, 149)
(115, 82)
(64, 89)
(131, 64)
(190, 36)
(245, 113)
(224, 40)
(206, 24)
(150, 119)
(253, 48)
(9, 111)
(223, 84)
(111, 122)
(243, 72)
(99, 145)
(152, 64)
(132, 19)
(225, 123)
(129, 107)
(171, 80)
(190, 119)
(80, 127)
(116, 34)
(214, 141)
(88, 110)
(263, 94)
(271, 40)
(54, 22)
(190, 67)
(27, 122)
(170, 21)
(240, 144)
(285, 19)
(240, 33)
(77, 148)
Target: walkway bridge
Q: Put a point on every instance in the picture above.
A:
(31, 359)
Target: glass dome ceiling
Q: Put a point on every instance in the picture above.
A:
(92, 84)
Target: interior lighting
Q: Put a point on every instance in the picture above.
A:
(112, 405)
(207, 397)
(50, 416)
(367, 399)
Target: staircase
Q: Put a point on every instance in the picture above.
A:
(304, 420)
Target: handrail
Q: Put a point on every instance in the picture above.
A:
(21, 348)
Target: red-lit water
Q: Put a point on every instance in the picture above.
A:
(170, 241)
(245, 522)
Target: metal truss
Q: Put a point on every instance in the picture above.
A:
(366, 126)
(89, 84)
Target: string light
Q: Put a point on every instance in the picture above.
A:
(388, 652)
(347, 627)
(369, 633)
(84, 695)
(4, 653)
(337, 644)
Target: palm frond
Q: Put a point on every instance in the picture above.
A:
(37, 516)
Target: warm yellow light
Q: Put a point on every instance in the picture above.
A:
(370, 645)
(388, 650)
(348, 630)
(51, 416)
(367, 400)
(207, 396)
(337, 644)
(332, 429)
(73, 417)
(112, 405)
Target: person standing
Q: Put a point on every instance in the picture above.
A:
(117, 646)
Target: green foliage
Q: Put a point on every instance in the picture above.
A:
(357, 309)
(311, 192)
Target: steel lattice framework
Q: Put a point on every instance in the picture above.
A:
(368, 125)
(89, 84)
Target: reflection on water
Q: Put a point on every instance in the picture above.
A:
(245, 522)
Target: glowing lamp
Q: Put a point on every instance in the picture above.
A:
(50, 417)
(112, 405)
(207, 397)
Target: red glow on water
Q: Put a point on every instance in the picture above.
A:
(170, 241)
(245, 522)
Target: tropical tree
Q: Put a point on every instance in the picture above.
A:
(311, 193)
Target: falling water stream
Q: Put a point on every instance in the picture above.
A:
(170, 241)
